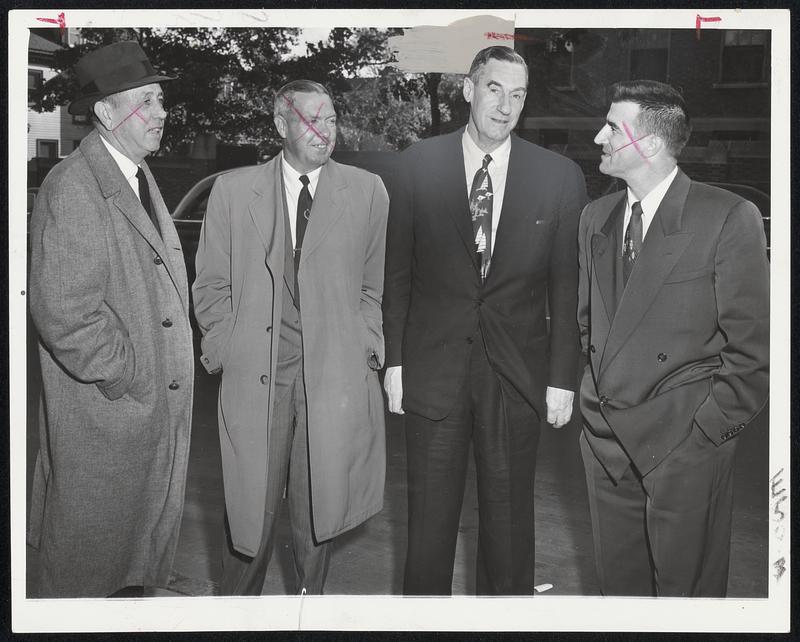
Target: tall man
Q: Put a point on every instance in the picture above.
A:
(481, 237)
(674, 317)
(109, 298)
(288, 296)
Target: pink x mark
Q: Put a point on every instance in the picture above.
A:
(309, 126)
(634, 142)
(135, 111)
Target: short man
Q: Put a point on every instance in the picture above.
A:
(481, 237)
(109, 297)
(674, 317)
(288, 296)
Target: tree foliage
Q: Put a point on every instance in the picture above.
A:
(227, 78)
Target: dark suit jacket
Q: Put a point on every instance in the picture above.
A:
(434, 301)
(688, 339)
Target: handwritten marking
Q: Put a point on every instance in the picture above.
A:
(135, 111)
(700, 20)
(61, 21)
(778, 491)
(307, 123)
(634, 142)
(316, 115)
(780, 567)
(494, 35)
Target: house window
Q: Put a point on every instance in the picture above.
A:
(47, 148)
(649, 56)
(744, 56)
(35, 79)
(560, 59)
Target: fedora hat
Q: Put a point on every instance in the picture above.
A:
(110, 70)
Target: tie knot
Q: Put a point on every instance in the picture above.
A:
(304, 180)
(486, 160)
(139, 173)
(636, 209)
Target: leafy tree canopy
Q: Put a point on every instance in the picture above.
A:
(227, 78)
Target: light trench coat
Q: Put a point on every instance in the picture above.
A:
(238, 304)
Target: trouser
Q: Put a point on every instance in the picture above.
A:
(666, 533)
(504, 432)
(288, 449)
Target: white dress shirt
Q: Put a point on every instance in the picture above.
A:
(292, 187)
(649, 204)
(126, 166)
(498, 169)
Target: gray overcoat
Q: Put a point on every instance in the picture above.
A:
(110, 301)
(240, 267)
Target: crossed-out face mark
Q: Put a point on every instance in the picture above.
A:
(134, 112)
(634, 142)
(309, 125)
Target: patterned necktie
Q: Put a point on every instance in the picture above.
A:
(633, 241)
(144, 197)
(304, 203)
(480, 207)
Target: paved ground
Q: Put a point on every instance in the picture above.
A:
(369, 559)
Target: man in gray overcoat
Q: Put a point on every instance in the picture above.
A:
(108, 295)
(288, 296)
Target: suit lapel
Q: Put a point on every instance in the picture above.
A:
(453, 188)
(604, 255)
(662, 249)
(327, 208)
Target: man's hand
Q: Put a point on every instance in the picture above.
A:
(559, 405)
(393, 384)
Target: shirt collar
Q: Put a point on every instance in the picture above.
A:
(126, 165)
(654, 197)
(292, 176)
(499, 156)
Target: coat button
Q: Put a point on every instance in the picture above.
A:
(662, 357)
(174, 385)
(264, 379)
(166, 323)
(603, 400)
(592, 348)
(269, 328)
(157, 260)
(469, 340)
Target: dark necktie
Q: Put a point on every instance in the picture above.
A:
(144, 197)
(304, 202)
(633, 241)
(480, 207)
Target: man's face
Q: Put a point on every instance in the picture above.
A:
(496, 101)
(137, 119)
(620, 138)
(308, 129)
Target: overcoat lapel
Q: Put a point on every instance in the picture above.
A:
(116, 189)
(662, 248)
(266, 210)
(327, 208)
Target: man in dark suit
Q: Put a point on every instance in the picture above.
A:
(674, 317)
(481, 237)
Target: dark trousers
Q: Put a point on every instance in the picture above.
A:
(504, 432)
(288, 449)
(667, 533)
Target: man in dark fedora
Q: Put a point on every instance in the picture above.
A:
(108, 295)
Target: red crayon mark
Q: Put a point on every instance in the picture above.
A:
(135, 111)
(60, 21)
(700, 20)
(494, 35)
(308, 124)
(634, 142)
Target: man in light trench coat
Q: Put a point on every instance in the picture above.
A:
(109, 298)
(288, 296)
